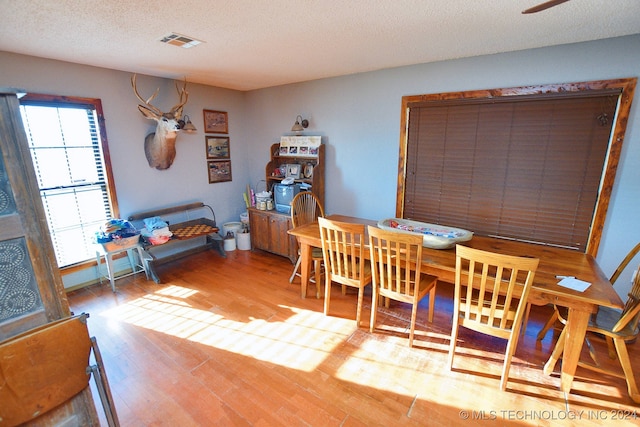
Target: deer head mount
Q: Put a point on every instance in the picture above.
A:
(160, 146)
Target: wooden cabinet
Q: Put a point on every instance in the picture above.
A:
(269, 228)
(269, 233)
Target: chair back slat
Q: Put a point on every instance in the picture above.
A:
(343, 246)
(395, 261)
(623, 264)
(305, 208)
(495, 286)
(630, 315)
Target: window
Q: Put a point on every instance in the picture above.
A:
(531, 164)
(70, 155)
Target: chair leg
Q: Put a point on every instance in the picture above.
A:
(547, 326)
(374, 309)
(295, 269)
(611, 347)
(592, 351)
(318, 274)
(414, 312)
(555, 355)
(327, 292)
(359, 308)
(454, 337)
(623, 354)
(512, 344)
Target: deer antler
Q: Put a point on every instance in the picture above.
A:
(147, 103)
(184, 96)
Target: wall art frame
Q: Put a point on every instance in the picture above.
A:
(217, 147)
(219, 171)
(215, 121)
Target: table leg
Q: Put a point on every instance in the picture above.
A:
(573, 341)
(108, 257)
(305, 267)
(569, 346)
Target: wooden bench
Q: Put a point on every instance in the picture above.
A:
(201, 227)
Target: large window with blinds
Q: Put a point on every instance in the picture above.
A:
(529, 167)
(70, 156)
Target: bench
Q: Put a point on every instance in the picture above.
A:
(183, 242)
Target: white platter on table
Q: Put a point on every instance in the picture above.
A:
(434, 236)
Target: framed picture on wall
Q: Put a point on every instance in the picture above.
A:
(219, 171)
(217, 147)
(216, 121)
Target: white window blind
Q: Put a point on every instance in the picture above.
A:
(66, 148)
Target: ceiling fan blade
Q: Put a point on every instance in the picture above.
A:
(544, 6)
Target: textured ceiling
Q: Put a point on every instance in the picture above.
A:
(251, 44)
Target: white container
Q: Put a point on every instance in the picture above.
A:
(244, 241)
(233, 227)
(229, 245)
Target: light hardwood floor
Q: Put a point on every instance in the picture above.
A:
(229, 341)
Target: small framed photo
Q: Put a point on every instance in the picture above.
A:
(293, 171)
(216, 121)
(219, 171)
(217, 147)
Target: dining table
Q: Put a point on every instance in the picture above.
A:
(554, 262)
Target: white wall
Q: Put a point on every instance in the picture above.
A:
(359, 116)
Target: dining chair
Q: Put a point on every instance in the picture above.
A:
(617, 327)
(306, 208)
(396, 260)
(560, 313)
(49, 366)
(490, 297)
(343, 248)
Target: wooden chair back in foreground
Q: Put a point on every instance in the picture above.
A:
(343, 246)
(48, 366)
(395, 264)
(306, 208)
(560, 313)
(619, 329)
(490, 297)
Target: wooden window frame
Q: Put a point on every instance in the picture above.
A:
(96, 104)
(625, 86)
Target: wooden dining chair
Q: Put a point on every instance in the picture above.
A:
(49, 366)
(490, 297)
(306, 208)
(343, 247)
(396, 260)
(618, 328)
(560, 313)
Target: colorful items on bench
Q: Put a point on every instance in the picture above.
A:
(117, 233)
(156, 230)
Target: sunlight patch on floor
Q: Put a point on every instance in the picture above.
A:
(301, 341)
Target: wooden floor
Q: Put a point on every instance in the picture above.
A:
(230, 342)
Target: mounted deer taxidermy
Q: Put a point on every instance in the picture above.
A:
(160, 146)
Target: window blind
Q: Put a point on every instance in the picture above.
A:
(526, 169)
(66, 149)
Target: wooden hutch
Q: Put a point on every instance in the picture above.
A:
(269, 227)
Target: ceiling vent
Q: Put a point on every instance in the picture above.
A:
(180, 40)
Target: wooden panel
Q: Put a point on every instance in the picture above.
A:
(32, 289)
(43, 368)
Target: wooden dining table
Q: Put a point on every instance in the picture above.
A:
(554, 262)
